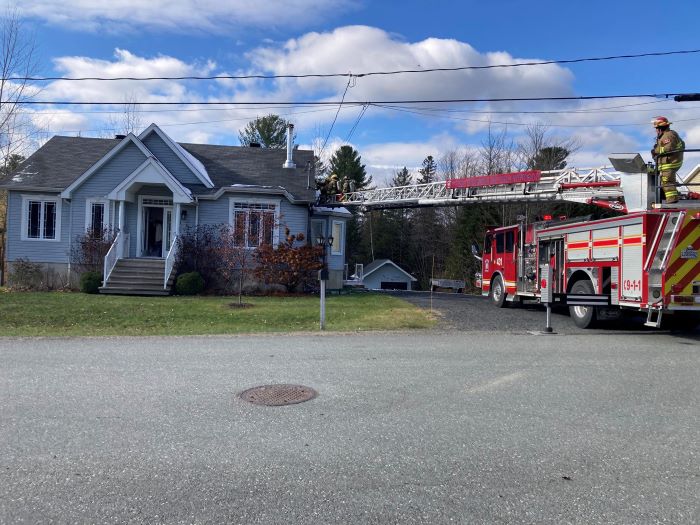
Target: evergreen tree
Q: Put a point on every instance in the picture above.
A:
(269, 131)
(346, 162)
(429, 170)
(402, 178)
(549, 158)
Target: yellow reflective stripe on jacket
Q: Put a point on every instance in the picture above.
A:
(670, 166)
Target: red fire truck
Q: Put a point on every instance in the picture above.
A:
(647, 260)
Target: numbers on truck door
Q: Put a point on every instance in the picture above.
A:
(632, 285)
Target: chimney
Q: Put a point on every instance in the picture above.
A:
(289, 163)
(120, 136)
(254, 145)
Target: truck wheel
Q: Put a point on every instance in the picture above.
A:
(498, 292)
(583, 316)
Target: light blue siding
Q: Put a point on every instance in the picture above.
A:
(40, 251)
(337, 261)
(292, 216)
(102, 182)
(169, 159)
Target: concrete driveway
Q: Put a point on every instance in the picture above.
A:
(414, 427)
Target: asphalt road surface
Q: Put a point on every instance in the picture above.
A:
(476, 313)
(439, 426)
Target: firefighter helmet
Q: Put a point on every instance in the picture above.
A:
(661, 122)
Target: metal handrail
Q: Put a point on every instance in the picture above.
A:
(111, 258)
(170, 262)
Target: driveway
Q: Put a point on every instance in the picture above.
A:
(476, 313)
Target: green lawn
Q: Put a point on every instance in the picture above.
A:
(75, 314)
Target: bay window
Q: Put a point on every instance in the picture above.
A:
(254, 222)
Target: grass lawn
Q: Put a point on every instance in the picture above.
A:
(76, 314)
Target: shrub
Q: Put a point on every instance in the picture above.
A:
(90, 282)
(292, 265)
(88, 250)
(190, 283)
(199, 251)
(26, 274)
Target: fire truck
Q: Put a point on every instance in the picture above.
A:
(646, 260)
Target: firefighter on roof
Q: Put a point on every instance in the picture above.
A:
(668, 154)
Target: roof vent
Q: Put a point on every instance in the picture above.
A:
(289, 163)
(254, 145)
(120, 137)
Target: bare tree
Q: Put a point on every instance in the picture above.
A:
(497, 152)
(17, 65)
(538, 149)
(129, 120)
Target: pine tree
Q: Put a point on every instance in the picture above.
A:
(269, 131)
(429, 171)
(346, 162)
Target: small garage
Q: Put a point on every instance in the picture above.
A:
(384, 274)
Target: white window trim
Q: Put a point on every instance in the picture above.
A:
(340, 243)
(25, 217)
(88, 211)
(256, 200)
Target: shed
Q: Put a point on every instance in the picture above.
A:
(384, 274)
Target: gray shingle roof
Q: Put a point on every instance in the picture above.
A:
(58, 163)
(61, 160)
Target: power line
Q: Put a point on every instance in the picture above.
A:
(347, 103)
(511, 123)
(357, 121)
(350, 80)
(367, 74)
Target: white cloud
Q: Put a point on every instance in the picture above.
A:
(182, 15)
(361, 49)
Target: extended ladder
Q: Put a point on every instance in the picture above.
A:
(583, 185)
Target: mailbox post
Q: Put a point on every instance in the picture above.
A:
(324, 243)
(547, 293)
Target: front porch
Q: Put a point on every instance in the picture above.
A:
(149, 207)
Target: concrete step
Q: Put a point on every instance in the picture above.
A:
(133, 291)
(155, 280)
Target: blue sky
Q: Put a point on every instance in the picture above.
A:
(206, 37)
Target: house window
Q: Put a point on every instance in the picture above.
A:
(318, 229)
(96, 215)
(254, 222)
(41, 218)
(338, 231)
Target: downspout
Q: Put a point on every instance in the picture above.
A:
(70, 239)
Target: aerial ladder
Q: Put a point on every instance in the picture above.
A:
(607, 187)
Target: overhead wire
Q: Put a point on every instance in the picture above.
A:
(347, 103)
(358, 75)
(336, 116)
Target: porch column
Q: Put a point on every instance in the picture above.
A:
(122, 223)
(177, 219)
(122, 216)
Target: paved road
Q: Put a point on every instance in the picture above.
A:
(424, 427)
(475, 313)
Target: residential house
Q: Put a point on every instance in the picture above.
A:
(149, 189)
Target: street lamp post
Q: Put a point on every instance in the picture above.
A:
(324, 243)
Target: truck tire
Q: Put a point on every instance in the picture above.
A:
(583, 316)
(498, 292)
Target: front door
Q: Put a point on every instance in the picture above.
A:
(157, 231)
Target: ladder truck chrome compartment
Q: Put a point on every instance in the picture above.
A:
(647, 260)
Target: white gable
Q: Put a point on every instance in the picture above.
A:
(150, 172)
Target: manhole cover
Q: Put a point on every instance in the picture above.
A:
(278, 395)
